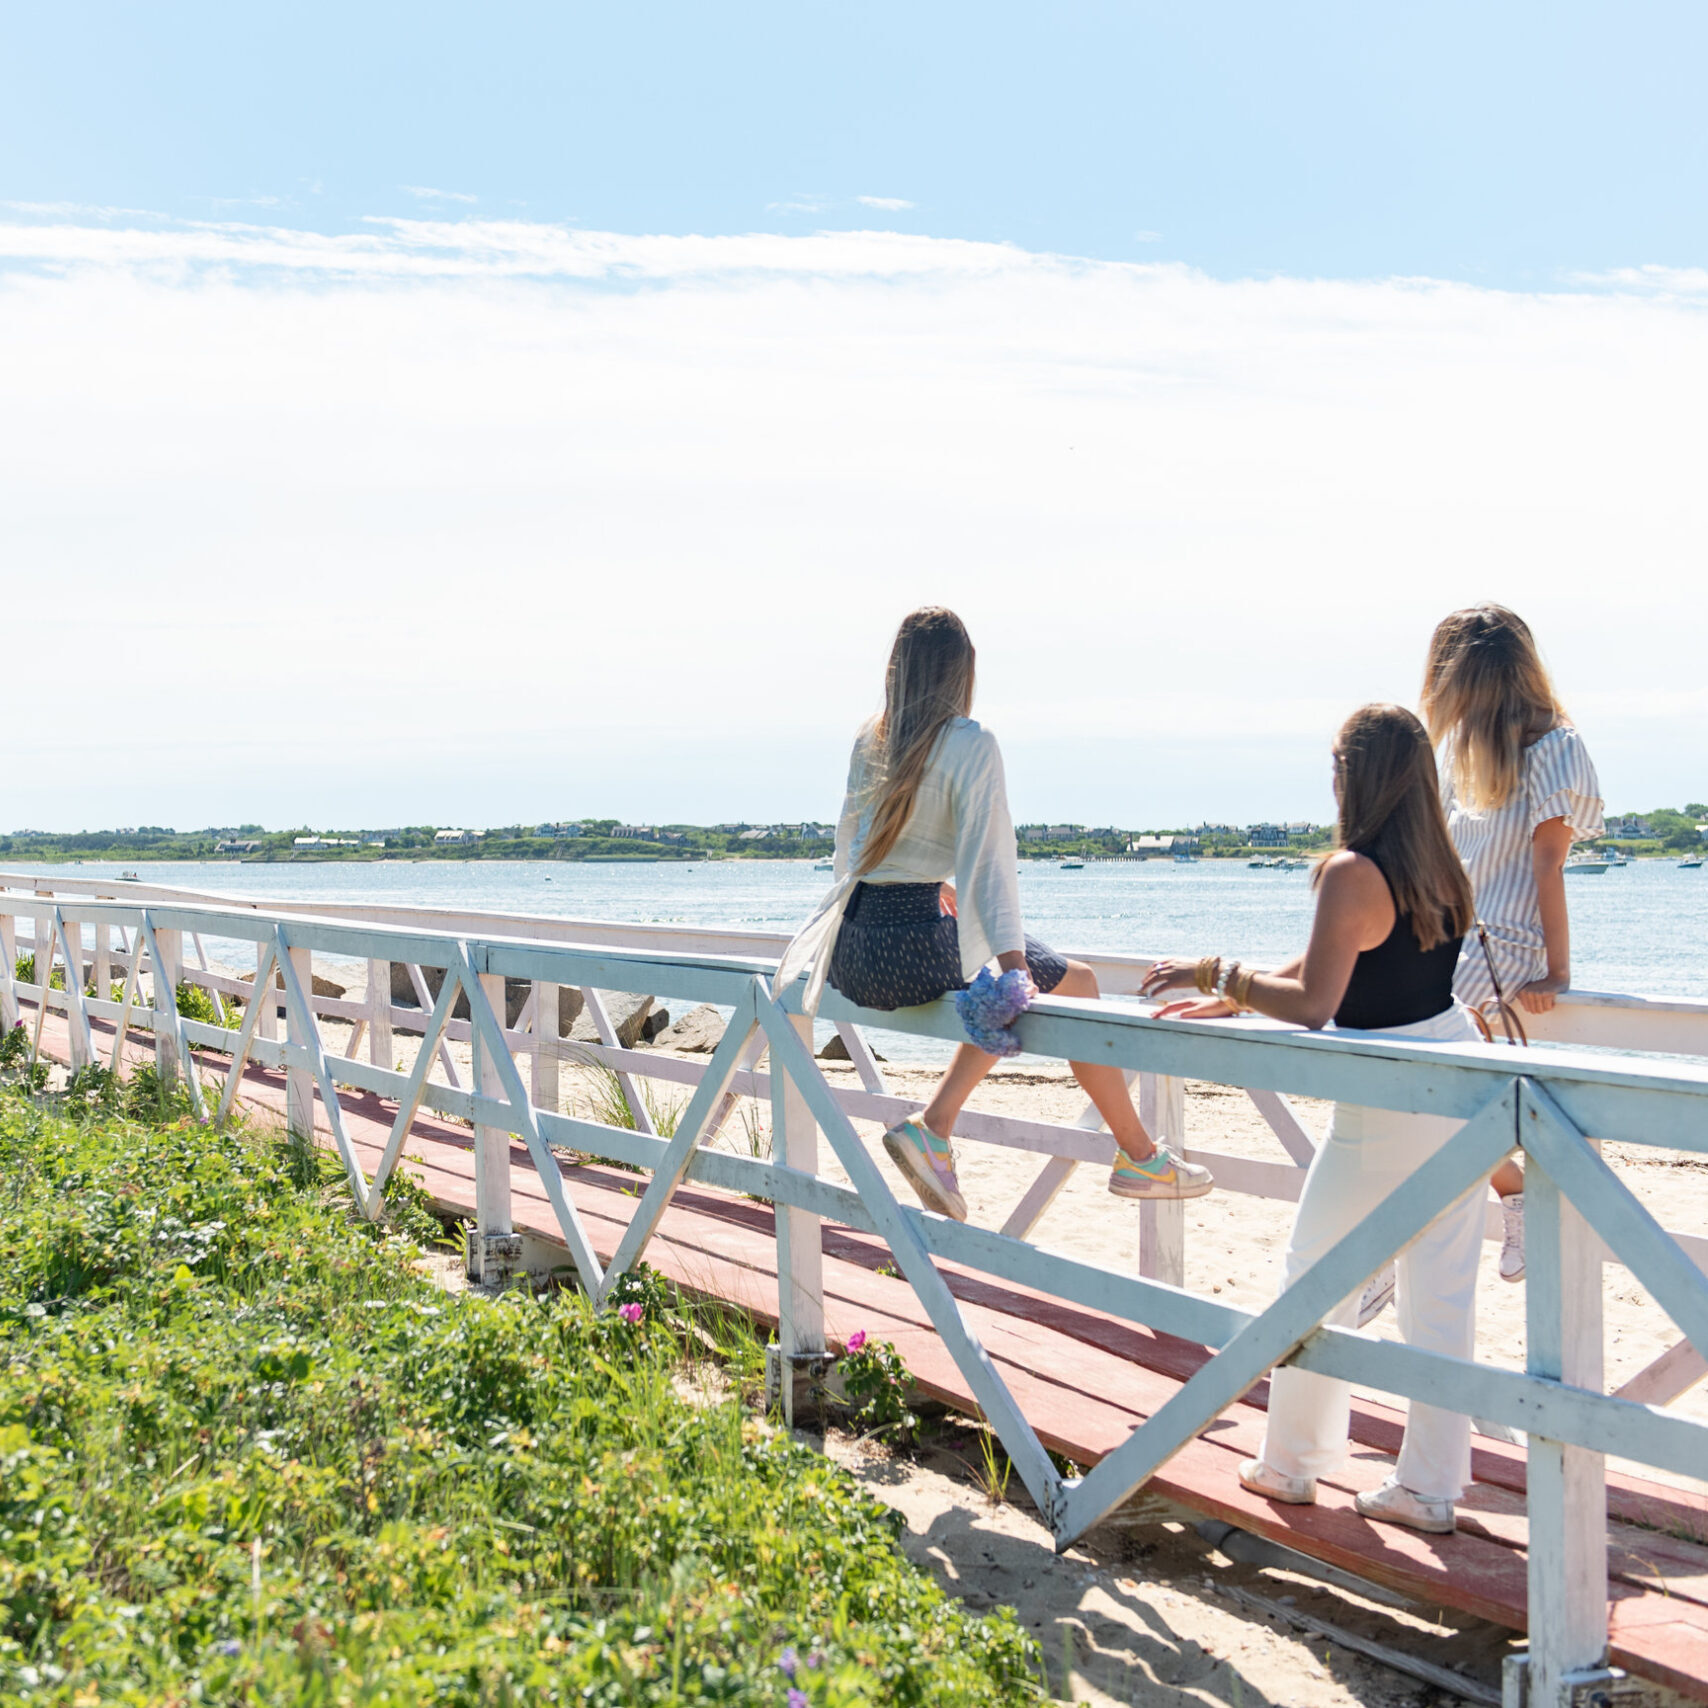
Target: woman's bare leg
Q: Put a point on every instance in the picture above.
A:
(1106, 1086)
(1507, 1179)
(965, 1071)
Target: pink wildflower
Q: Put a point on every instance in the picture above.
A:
(856, 1340)
(631, 1314)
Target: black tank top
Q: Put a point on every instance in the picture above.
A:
(1397, 983)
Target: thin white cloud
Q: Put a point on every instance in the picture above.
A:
(1681, 281)
(889, 204)
(436, 439)
(423, 193)
(799, 204)
(1147, 237)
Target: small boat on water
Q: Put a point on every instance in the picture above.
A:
(1073, 865)
(1691, 865)
(1586, 863)
(824, 865)
(129, 878)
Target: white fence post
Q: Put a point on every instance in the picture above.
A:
(544, 1088)
(103, 978)
(1567, 1486)
(9, 954)
(267, 1026)
(381, 1051)
(299, 1070)
(492, 1214)
(165, 978)
(1162, 1222)
(800, 1251)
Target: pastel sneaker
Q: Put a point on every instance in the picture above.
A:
(1394, 1503)
(1261, 1479)
(929, 1165)
(1161, 1175)
(1378, 1294)
(1512, 1244)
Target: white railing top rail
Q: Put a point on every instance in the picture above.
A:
(1627, 1098)
(1613, 1019)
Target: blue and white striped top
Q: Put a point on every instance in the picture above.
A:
(1556, 780)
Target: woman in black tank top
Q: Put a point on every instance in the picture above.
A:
(1393, 904)
(1399, 982)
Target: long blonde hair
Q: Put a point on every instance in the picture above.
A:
(928, 683)
(1390, 811)
(1487, 692)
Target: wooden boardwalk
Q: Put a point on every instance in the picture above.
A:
(1085, 1380)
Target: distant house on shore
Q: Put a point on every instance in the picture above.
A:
(557, 830)
(444, 836)
(233, 847)
(323, 842)
(1629, 826)
(1266, 835)
(636, 832)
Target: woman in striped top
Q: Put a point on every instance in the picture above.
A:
(1519, 789)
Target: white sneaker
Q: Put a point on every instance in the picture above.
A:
(1261, 1479)
(1512, 1246)
(1378, 1295)
(1394, 1503)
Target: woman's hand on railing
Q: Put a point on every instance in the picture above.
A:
(1169, 974)
(1196, 1008)
(1538, 996)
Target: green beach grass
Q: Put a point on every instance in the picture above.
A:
(250, 1453)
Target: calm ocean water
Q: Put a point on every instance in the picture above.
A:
(1642, 928)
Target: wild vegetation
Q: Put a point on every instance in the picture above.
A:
(250, 1452)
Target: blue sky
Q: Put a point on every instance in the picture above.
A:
(1511, 145)
(473, 414)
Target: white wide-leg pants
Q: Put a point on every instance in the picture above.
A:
(1368, 1154)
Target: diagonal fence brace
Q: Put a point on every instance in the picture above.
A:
(302, 1016)
(170, 997)
(485, 1025)
(1460, 1165)
(409, 1104)
(789, 1055)
(260, 991)
(673, 1165)
(1604, 1201)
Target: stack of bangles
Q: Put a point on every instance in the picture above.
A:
(1226, 981)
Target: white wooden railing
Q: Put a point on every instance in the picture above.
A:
(1546, 1102)
(1671, 1025)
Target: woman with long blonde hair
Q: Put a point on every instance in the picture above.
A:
(927, 894)
(1393, 905)
(1519, 788)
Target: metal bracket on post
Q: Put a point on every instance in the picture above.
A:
(809, 1367)
(496, 1257)
(1593, 1687)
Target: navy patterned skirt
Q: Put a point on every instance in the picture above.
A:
(897, 948)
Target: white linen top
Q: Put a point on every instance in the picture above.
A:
(960, 828)
(1556, 780)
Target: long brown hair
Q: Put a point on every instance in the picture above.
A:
(1390, 810)
(929, 682)
(1487, 693)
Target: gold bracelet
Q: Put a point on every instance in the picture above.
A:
(1204, 975)
(1239, 988)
